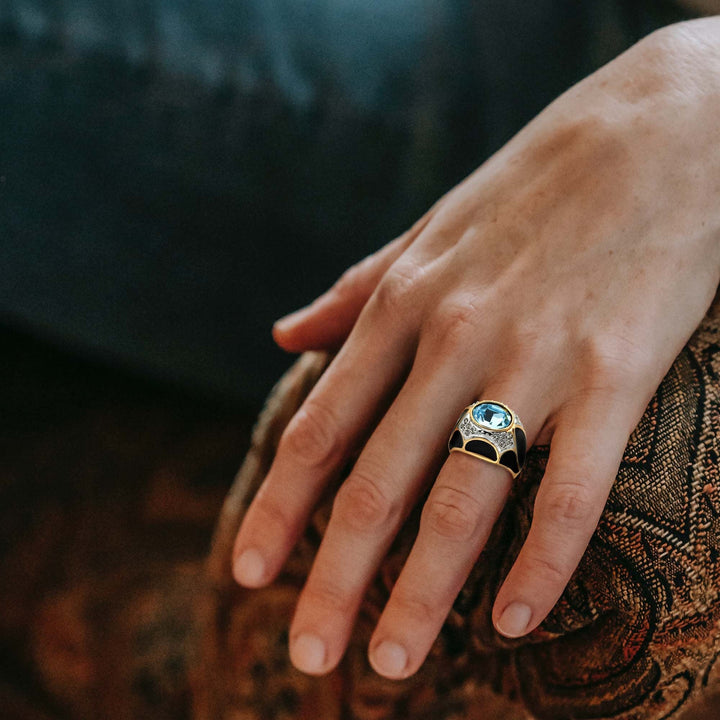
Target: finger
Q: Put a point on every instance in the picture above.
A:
(456, 521)
(585, 455)
(323, 432)
(327, 322)
(389, 476)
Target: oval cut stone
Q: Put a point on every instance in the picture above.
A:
(491, 416)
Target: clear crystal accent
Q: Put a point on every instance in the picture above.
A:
(492, 416)
(501, 440)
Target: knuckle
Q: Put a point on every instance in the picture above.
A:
(270, 517)
(312, 437)
(453, 324)
(328, 597)
(613, 362)
(549, 569)
(528, 339)
(363, 505)
(414, 607)
(398, 287)
(527, 344)
(451, 514)
(567, 504)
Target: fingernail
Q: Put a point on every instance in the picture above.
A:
(308, 653)
(514, 620)
(249, 568)
(389, 658)
(283, 323)
(287, 321)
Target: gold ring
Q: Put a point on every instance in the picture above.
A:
(491, 431)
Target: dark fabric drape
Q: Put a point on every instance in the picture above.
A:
(176, 175)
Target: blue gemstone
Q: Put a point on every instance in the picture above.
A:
(491, 416)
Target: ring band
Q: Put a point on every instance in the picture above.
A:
(491, 431)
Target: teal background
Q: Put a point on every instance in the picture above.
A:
(176, 175)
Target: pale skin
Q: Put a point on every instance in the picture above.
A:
(562, 278)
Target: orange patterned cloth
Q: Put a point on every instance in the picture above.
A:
(635, 636)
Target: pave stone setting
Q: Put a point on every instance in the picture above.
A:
(469, 430)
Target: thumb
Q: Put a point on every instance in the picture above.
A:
(328, 320)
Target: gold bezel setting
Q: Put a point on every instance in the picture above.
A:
(492, 403)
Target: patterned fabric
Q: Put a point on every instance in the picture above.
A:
(635, 635)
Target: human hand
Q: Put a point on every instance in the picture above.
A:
(562, 278)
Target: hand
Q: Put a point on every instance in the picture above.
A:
(562, 278)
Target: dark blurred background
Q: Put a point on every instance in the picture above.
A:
(176, 175)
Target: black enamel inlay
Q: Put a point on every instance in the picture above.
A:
(482, 447)
(509, 460)
(455, 440)
(520, 445)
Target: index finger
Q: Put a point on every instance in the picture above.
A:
(319, 438)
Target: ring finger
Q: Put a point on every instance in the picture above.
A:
(455, 524)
